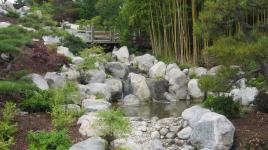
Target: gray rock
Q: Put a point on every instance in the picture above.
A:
(198, 71)
(174, 128)
(187, 147)
(116, 87)
(92, 105)
(175, 76)
(72, 74)
(39, 81)
(145, 62)
(157, 88)
(95, 143)
(171, 135)
(122, 54)
(131, 100)
(95, 89)
(178, 92)
(163, 131)
(193, 115)
(87, 125)
(117, 69)
(185, 133)
(245, 95)
(72, 107)
(77, 60)
(214, 70)
(194, 90)
(155, 135)
(139, 86)
(55, 79)
(158, 70)
(157, 145)
(94, 76)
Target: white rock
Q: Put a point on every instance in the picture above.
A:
(65, 52)
(39, 81)
(122, 54)
(117, 69)
(55, 79)
(198, 71)
(4, 24)
(158, 70)
(88, 125)
(192, 115)
(245, 95)
(175, 76)
(116, 87)
(185, 133)
(155, 135)
(51, 40)
(99, 88)
(139, 86)
(72, 74)
(92, 105)
(194, 89)
(145, 62)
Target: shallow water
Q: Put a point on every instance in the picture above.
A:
(152, 109)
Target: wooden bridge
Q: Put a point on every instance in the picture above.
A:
(91, 35)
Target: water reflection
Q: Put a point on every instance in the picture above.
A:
(151, 109)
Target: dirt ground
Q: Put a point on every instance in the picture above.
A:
(35, 122)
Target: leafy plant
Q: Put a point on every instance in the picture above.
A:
(53, 140)
(112, 124)
(223, 105)
(61, 118)
(75, 44)
(36, 101)
(11, 86)
(12, 14)
(8, 128)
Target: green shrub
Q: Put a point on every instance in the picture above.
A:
(75, 44)
(15, 86)
(8, 128)
(36, 101)
(61, 118)
(112, 124)
(34, 21)
(53, 140)
(223, 105)
(12, 14)
(258, 82)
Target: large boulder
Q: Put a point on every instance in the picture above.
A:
(179, 92)
(117, 69)
(92, 105)
(198, 71)
(65, 52)
(87, 125)
(131, 100)
(99, 89)
(194, 89)
(116, 87)
(175, 76)
(209, 130)
(39, 81)
(94, 143)
(139, 86)
(94, 76)
(72, 74)
(122, 54)
(245, 95)
(158, 70)
(144, 62)
(157, 88)
(55, 79)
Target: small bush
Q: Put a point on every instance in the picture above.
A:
(223, 105)
(36, 101)
(14, 86)
(75, 44)
(8, 128)
(54, 140)
(12, 14)
(61, 118)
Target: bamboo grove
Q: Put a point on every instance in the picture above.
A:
(175, 30)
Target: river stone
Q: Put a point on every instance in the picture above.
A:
(87, 125)
(157, 145)
(122, 54)
(92, 105)
(198, 71)
(171, 135)
(55, 79)
(39, 81)
(94, 143)
(139, 86)
(116, 87)
(185, 133)
(131, 100)
(157, 88)
(187, 147)
(145, 62)
(158, 70)
(194, 89)
(126, 143)
(65, 52)
(155, 135)
(174, 128)
(178, 92)
(94, 76)
(245, 95)
(117, 69)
